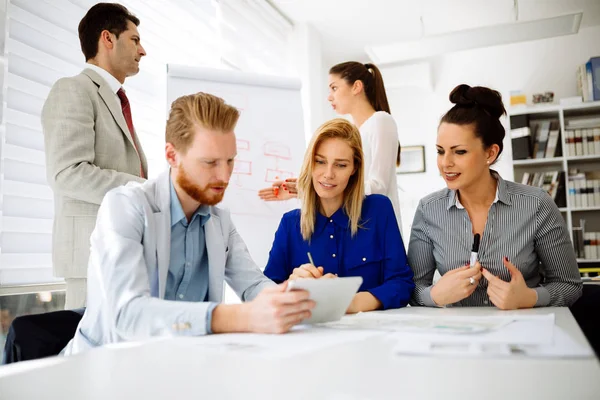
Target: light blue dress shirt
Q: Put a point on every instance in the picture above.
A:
(187, 279)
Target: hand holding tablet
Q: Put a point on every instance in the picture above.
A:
(332, 296)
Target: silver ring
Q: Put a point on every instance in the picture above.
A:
(471, 281)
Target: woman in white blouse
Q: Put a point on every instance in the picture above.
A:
(357, 89)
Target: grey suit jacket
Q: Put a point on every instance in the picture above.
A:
(128, 268)
(89, 151)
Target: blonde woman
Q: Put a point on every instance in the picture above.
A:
(347, 233)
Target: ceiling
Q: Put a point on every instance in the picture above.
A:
(347, 26)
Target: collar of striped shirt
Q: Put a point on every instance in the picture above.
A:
(501, 193)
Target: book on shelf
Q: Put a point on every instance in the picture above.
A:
(521, 143)
(539, 147)
(552, 143)
(583, 142)
(551, 181)
(539, 139)
(582, 122)
(588, 80)
(586, 243)
(584, 189)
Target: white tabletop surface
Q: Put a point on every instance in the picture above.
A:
(361, 370)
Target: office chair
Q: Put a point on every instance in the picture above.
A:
(42, 335)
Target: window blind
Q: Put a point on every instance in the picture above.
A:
(41, 46)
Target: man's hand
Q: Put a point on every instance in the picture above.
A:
(276, 311)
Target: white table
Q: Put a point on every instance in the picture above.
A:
(362, 370)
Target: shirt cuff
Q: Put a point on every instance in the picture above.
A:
(209, 313)
(543, 296)
(426, 297)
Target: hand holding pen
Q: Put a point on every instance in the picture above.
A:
(459, 283)
(309, 270)
(280, 190)
(455, 285)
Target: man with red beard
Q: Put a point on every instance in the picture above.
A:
(161, 251)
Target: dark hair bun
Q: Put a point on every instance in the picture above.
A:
(488, 99)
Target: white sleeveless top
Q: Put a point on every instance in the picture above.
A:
(379, 136)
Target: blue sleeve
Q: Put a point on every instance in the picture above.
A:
(209, 313)
(398, 284)
(277, 266)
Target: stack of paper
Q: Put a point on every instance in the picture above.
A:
(531, 336)
(302, 339)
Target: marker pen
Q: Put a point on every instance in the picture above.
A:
(474, 250)
(310, 258)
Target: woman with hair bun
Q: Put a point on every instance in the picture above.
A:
(357, 89)
(525, 258)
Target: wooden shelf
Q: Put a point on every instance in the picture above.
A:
(565, 114)
(535, 109)
(581, 106)
(578, 209)
(595, 157)
(551, 107)
(538, 161)
(589, 270)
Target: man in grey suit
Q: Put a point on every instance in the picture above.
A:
(90, 142)
(161, 250)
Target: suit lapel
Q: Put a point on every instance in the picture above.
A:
(162, 219)
(216, 258)
(111, 101)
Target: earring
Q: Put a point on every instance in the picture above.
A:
(487, 162)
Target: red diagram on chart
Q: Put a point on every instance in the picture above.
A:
(279, 152)
(242, 167)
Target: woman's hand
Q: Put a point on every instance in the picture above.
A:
(456, 285)
(510, 295)
(307, 271)
(363, 301)
(280, 190)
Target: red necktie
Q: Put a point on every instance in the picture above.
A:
(127, 114)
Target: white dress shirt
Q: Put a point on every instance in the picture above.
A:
(113, 82)
(379, 136)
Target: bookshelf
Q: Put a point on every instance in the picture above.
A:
(567, 166)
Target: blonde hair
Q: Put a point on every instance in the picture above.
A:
(198, 110)
(354, 193)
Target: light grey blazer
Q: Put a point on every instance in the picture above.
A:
(129, 262)
(89, 151)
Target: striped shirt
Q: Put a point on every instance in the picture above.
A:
(523, 224)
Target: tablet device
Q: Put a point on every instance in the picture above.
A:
(331, 295)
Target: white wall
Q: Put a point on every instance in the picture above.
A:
(306, 61)
(539, 66)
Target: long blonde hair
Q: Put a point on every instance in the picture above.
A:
(354, 193)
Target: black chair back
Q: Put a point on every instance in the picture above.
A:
(42, 335)
(586, 311)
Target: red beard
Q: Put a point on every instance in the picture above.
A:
(201, 195)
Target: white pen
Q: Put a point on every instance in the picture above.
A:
(474, 250)
(310, 258)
